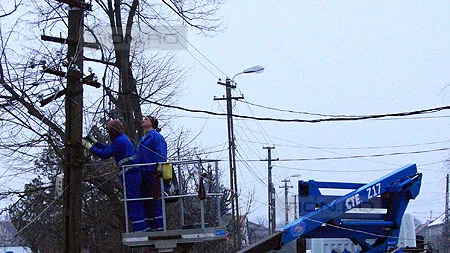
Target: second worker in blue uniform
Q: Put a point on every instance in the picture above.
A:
(152, 148)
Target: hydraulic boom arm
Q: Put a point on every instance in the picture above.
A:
(333, 216)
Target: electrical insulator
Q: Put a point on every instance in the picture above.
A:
(59, 184)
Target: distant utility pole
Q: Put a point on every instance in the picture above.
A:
(271, 190)
(295, 206)
(232, 162)
(446, 228)
(428, 226)
(286, 204)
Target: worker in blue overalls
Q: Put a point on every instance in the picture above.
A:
(152, 148)
(122, 149)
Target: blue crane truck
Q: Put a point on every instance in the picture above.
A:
(334, 216)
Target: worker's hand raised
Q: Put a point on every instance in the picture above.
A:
(91, 139)
(86, 144)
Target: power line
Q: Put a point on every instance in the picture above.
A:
(364, 117)
(41, 213)
(324, 149)
(334, 170)
(198, 51)
(355, 148)
(332, 152)
(325, 115)
(253, 172)
(292, 111)
(356, 156)
(405, 118)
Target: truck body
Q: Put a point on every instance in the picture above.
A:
(406, 238)
(374, 227)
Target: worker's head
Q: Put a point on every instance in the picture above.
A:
(115, 128)
(149, 123)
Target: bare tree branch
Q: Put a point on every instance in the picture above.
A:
(7, 13)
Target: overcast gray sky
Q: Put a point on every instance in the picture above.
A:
(328, 57)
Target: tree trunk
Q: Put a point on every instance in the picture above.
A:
(128, 101)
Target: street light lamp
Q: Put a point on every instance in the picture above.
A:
(255, 69)
(229, 84)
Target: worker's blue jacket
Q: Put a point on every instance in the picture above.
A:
(124, 153)
(152, 148)
(121, 148)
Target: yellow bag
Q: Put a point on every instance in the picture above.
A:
(167, 172)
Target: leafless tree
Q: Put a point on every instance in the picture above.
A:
(132, 76)
(123, 30)
(10, 9)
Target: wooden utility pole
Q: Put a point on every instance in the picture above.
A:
(73, 150)
(236, 233)
(74, 121)
(270, 191)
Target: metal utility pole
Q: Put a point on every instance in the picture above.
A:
(270, 191)
(286, 204)
(232, 163)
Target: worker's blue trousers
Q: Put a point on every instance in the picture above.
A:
(134, 208)
(152, 208)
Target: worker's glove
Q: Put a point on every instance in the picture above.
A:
(86, 144)
(91, 139)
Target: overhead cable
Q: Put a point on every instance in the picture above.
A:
(187, 41)
(352, 118)
(354, 156)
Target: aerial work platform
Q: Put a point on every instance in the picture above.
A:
(168, 240)
(374, 226)
(197, 231)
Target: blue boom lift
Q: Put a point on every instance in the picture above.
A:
(331, 216)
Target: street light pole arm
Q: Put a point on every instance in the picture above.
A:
(232, 79)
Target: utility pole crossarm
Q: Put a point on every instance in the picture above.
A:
(77, 4)
(51, 98)
(69, 41)
(73, 74)
(227, 84)
(235, 98)
(89, 80)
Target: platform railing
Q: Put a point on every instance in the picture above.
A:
(180, 195)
